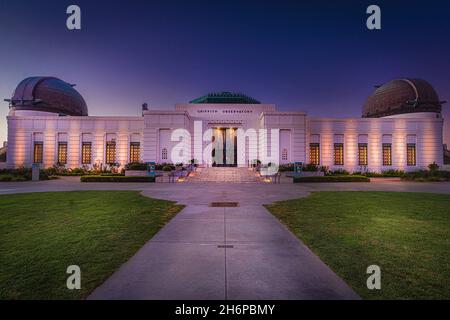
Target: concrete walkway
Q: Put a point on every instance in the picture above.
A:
(183, 260)
(224, 253)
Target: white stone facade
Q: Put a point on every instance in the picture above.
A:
(151, 135)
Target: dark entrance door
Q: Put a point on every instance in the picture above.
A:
(224, 152)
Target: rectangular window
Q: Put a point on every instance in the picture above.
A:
(362, 154)
(339, 154)
(110, 152)
(86, 153)
(411, 154)
(135, 152)
(387, 154)
(314, 153)
(284, 154)
(38, 152)
(62, 152)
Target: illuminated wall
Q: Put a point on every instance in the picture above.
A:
(153, 133)
(23, 130)
(424, 132)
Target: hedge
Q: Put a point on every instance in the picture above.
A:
(140, 166)
(352, 178)
(91, 178)
(427, 175)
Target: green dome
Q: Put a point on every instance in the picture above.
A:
(226, 97)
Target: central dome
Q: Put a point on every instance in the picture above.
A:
(402, 96)
(48, 94)
(226, 97)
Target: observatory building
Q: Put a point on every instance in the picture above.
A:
(400, 128)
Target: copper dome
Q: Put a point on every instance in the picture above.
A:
(48, 94)
(402, 96)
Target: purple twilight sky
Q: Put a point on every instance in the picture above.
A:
(317, 57)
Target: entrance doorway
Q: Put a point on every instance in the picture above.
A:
(224, 147)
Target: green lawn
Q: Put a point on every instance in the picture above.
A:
(406, 234)
(41, 234)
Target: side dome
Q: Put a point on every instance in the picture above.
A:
(48, 94)
(402, 96)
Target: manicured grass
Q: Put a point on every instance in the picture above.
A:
(406, 234)
(41, 234)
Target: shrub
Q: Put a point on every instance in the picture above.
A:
(6, 177)
(140, 166)
(348, 178)
(22, 174)
(310, 167)
(433, 166)
(286, 167)
(339, 172)
(324, 169)
(393, 173)
(372, 174)
(9, 177)
(114, 178)
(161, 166)
(424, 175)
(167, 168)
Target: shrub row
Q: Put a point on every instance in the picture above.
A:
(10, 177)
(424, 175)
(21, 174)
(348, 178)
(92, 178)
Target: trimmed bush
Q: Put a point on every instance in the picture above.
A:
(310, 167)
(93, 178)
(6, 177)
(424, 175)
(139, 166)
(339, 172)
(393, 173)
(21, 174)
(160, 166)
(286, 167)
(347, 178)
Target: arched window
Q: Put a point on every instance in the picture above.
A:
(284, 154)
(164, 154)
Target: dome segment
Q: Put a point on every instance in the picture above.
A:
(48, 94)
(226, 97)
(402, 96)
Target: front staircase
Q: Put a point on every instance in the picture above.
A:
(225, 174)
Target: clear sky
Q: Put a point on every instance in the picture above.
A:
(315, 56)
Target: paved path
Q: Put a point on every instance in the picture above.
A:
(183, 260)
(186, 260)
